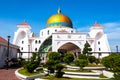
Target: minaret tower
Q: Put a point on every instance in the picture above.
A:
(21, 36)
(100, 42)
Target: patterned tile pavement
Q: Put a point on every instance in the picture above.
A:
(8, 74)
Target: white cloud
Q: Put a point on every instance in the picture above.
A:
(112, 30)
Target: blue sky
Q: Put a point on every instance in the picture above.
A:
(83, 13)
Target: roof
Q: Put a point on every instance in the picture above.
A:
(24, 23)
(3, 40)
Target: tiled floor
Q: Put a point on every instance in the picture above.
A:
(8, 74)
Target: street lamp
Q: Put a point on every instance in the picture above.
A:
(7, 60)
(28, 52)
(117, 48)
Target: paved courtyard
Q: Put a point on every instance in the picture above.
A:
(8, 74)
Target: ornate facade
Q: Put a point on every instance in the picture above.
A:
(59, 35)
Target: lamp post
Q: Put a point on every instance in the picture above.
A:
(28, 52)
(117, 48)
(7, 60)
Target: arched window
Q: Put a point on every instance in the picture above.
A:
(42, 33)
(99, 49)
(72, 31)
(22, 42)
(55, 30)
(21, 48)
(35, 41)
(35, 49)
(98, 42)
(48, 32)
(39, 41)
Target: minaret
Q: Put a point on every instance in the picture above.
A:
(22, 35)
(100, 42)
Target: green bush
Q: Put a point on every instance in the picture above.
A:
(54, 56)
(82, 56)
(97, 61)
(117, 75)
(81, 63)
(59, 67)
(32, 64)
(112, 62)
(76, 62)
(68, 58)
(91, 59)
(59, 74)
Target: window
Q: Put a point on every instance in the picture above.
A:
(39, 41)
(98, 42)
(22, 42)
(99, 49)
(35, 41)
(55, 30)
(48, 32)
(35, 49)
(21, 48)
(72, 31)
(42, 33)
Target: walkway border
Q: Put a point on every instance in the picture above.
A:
(23, 77)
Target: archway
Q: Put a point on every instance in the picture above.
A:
(71, 48)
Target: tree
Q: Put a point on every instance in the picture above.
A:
(34, 62)
(82, 56)
(68, 58)
(59, 73)
(87, 49)
(91, 59)
(116, 67)
(112, 62)
(54, 56)
(97, 61)
(81, 63)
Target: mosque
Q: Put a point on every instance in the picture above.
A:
(60, 36)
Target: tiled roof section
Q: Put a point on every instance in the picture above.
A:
(96, 24)
(3, 40)
(24, 23)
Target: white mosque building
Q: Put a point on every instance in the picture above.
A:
(60, 36)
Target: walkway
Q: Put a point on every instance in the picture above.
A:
(8, 74)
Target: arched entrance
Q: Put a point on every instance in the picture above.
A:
(69, 47)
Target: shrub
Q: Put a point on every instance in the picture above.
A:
(113, 63)
(59, 74)
(32, 64)
(54, 56)
(68, 58)
(82, 56)
(59, 67)
(91, 59)
(81, 63)
(97, 61)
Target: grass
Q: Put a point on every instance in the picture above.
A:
(102, 76)
(26, 73)
(90, 65)
(66, 78)
(76, 70)
(94, 65)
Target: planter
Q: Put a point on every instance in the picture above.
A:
(23, 77)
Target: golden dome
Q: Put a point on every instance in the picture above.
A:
(59, 20)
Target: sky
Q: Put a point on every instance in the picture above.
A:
(83, 13)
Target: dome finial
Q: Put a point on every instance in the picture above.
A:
(59, 11)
